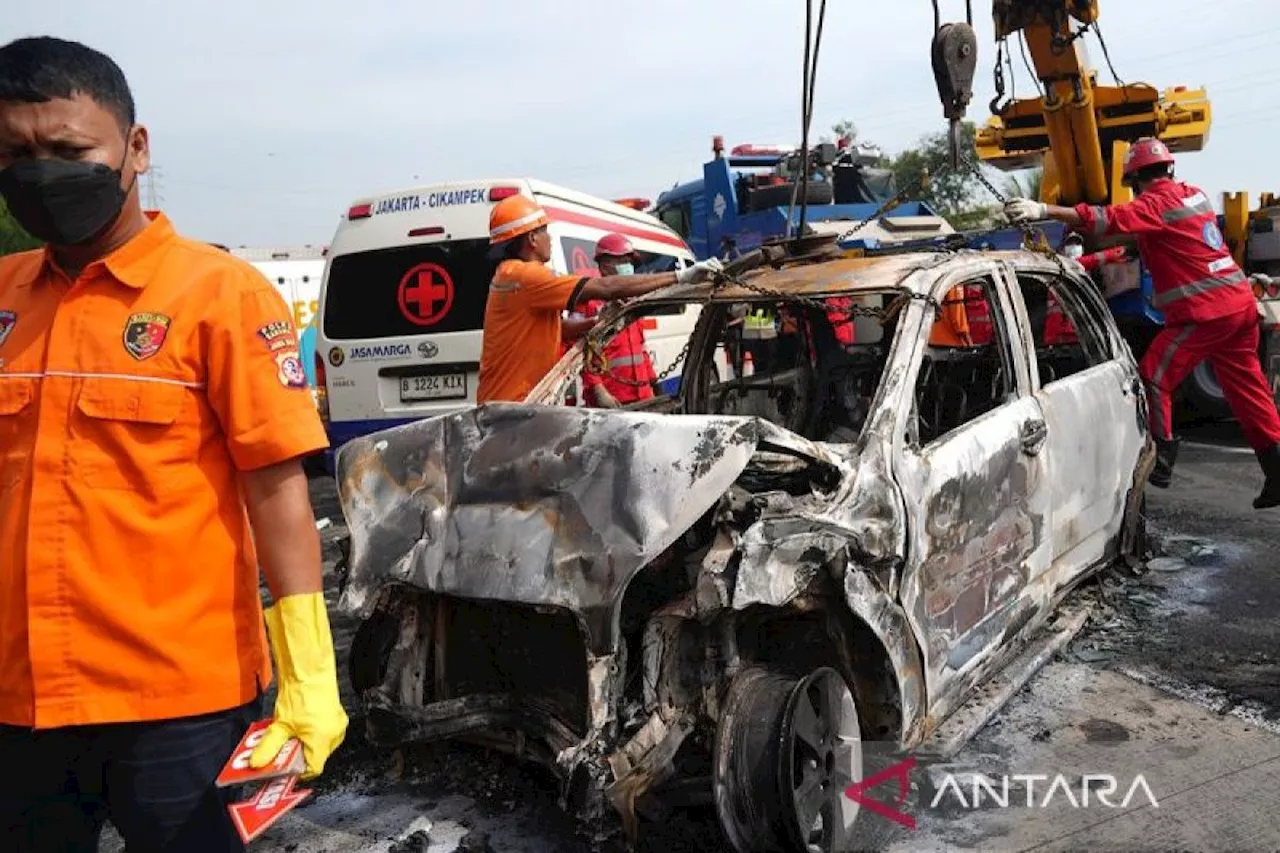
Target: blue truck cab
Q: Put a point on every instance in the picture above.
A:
(753, 195)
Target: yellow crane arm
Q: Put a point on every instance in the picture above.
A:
(1079, 130)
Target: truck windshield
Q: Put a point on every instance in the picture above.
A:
(408, 290)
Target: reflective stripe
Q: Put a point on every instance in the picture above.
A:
(1196, 205)
(627, 361)
(128, 377)
(1156, 397)
(1099, 221)
(1165, 360)
(517, 223)
(1196, 288)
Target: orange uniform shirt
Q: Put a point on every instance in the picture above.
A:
(129, 400)
(951, 328)
(521, 340)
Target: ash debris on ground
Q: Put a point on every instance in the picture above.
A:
(1127, 602)
(1171, 617)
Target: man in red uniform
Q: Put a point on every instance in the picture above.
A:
(1209, 308)
(629, 374)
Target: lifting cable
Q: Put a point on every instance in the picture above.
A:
(809, 74)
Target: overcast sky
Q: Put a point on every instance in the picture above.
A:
(268, 117)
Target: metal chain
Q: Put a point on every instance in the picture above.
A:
(1034, 240)
(597, 362)
(897, 199)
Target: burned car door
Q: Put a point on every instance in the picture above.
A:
(1088, 388)
(969, 460)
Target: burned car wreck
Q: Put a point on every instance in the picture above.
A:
(721, 594)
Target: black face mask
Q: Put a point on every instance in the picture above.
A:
(63, 202)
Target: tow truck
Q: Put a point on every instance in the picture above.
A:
(1079, 132)
(752, 196)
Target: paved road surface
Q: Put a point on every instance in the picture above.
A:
(1176, 679)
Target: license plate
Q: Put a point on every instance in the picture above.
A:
(445, 386)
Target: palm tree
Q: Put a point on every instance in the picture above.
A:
(1027, 186)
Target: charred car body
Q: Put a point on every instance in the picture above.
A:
(725, 592)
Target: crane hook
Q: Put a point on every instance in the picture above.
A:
(955, 60)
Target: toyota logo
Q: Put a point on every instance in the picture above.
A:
(427, 349)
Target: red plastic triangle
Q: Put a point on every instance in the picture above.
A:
(253, 816)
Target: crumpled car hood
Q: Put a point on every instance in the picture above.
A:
(536, 504)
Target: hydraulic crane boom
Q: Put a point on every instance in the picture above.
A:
(1077, 128)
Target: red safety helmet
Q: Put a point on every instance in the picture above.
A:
(615, 246)
(1144, 153)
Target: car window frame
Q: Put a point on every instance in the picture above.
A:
(1081, 293)
(906, 434)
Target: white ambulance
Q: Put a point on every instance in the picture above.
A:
(296, 271)
(403, 299)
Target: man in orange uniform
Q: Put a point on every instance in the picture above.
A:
(951, 328)
(526, 300)
(147, 382)
(629, 372)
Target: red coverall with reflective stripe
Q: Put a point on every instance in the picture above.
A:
(627, 359)
(839, 318)
(1057, 325)
(1209, 308)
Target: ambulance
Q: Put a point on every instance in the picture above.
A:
(403, 298)
(296, 271)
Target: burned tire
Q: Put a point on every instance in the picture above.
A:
(763, 198)
(371, 649)
(786, 751)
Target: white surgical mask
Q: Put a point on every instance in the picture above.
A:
(1073, 250)
(624, 269)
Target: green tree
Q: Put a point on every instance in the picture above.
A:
(12, 237)
(845, 127)
(950, 191)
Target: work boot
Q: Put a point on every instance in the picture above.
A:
(1269, 459)
(1166, 455)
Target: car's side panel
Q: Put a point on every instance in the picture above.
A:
(1096, 431)
(978, 519)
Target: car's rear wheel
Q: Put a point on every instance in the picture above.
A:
(786, 751)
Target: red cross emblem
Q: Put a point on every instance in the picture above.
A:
(425, 294)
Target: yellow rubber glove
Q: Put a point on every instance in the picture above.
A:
(307, 704)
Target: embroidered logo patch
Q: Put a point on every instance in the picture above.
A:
(278, 335)
(144, 334)
(289, 369)
(1212, 236)
(8, 319)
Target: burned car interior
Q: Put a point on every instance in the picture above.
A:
(716, 596)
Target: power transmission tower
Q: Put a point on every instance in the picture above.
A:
(154, 198)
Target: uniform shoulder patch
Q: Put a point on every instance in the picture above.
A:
(289, 369)
(8, 319)
(145, 333)
(278, 335)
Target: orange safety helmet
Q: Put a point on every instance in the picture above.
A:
(513, 216)
(1144, 153)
